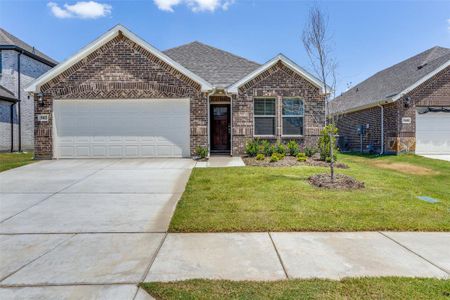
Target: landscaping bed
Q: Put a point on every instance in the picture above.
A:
(289, 161)
(282, 199)
(340, 181)
(352, 288)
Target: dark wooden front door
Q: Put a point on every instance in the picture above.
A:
(220, 127)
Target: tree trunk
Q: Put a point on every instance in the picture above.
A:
(331, 157)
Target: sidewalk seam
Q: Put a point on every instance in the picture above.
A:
(278, 255)
(403, 246)
(147, 270)
(33, 260)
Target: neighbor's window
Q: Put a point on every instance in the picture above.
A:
(264, 111)
(292, 116)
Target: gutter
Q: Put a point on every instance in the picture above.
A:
(28, 53)
(362, 107)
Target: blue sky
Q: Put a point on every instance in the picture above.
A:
(368, 35)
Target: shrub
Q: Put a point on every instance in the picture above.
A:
(275, 157)
(267, 148)
(280, 149)
(325, 141)
(260, 156)
(310, 151)
(301, 156)
(252, 147)
(201, 152)
(293, 148)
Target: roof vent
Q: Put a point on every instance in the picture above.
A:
(421, 66)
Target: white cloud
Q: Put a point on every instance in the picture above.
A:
(194, 5)
(81, 10)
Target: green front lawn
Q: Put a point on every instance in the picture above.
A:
(14, 160)
(281, 199)
(358, 288)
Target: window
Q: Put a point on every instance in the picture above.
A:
(292, 116)
(264, 111)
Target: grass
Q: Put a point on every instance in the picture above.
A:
(358, 288)
(281, 199)
(13, 160)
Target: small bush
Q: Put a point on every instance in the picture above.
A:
(301, 156)
(280, 149)
(267, 148)
(310, 151)
(275, 157)
(325, 141)
(260, 156)
(293, 148)
(201, 152)
(252, 147)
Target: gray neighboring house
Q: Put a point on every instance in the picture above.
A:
(20, 64)
(404, 108)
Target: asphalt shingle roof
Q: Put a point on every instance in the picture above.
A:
(7, 39)
(6, 94)
(391, 81)
(218, 67)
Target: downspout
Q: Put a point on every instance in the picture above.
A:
(382, 129)
(19, 112)
(11, 113)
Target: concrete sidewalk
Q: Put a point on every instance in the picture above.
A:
(283, 255)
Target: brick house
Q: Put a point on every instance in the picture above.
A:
(121, 97)
(20, 64)
(404, 108)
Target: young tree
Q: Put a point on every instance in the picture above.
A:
(317, 42)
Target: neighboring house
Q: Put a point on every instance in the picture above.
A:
(19, 65)
(121, 97)
(404, 108)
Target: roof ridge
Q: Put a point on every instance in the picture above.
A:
(214, 48)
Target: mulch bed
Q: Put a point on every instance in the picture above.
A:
(289, 161)
(341, 181)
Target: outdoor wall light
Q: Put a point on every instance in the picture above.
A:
(40, 98)
(407, 101)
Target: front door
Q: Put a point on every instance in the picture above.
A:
(220, 127)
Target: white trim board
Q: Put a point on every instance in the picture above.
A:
(35, 85)
(287, 62)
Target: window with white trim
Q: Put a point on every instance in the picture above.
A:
(264, 113)
(292, 115)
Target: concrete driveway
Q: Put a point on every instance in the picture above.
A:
(93, 226)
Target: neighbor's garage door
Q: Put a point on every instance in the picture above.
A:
(433, 133)
(121, 128)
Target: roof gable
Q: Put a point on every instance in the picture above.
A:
(392, 83)
(287, 62)
(217, 66)
(105, 38)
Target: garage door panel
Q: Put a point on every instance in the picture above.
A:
(122, 128)
(433, 133)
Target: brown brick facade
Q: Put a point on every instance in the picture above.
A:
(122, 69)
(119, 69)
(398, 136)
(278, 81)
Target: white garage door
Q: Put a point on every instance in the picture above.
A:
(433, 133)
(121, 128)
